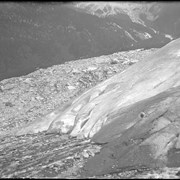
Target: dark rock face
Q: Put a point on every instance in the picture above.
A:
(35, 35)
(153, 140)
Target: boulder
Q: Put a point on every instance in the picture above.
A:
(71, 87)
(91, 68)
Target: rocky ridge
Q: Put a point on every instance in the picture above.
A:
(45, 34)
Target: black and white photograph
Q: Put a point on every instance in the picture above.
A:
(90, 89)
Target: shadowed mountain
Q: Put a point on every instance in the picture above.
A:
(39, 35)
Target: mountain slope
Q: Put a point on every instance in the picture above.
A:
(39, 35)
(145, 79)
(135, 113)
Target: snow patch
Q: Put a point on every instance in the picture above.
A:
(129, 35)
(142, 35)
(116, 25)
(169, 36)
(147, 35)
